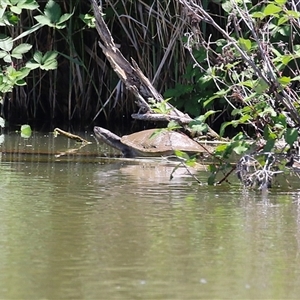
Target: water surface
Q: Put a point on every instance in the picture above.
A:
(75, 226)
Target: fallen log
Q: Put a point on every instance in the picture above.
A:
(134, 79)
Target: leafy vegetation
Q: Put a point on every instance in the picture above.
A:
(16, 66)
(84, 87)
(255, 68)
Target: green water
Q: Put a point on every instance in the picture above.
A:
(74, 226)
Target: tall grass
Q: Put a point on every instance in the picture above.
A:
(84, 88)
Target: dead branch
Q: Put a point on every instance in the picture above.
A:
(75, 137)
(130, 74)
(134, 79)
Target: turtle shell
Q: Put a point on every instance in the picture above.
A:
(160, 142)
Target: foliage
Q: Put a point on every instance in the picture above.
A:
(53, 16)
(44, 62)
(31, 45)
(26, 131)
(160, 107)
(192, 94)
(255, 70)
(84, 87)
(15, 69)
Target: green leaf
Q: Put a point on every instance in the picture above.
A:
(245, 44)
(52, 11)
(43, 20)
(32, 65)
(285, 30)
(209, 113)
(181, 154)
(225, 124)
(296, 78)
(258, 15)
(160, 107)
(28, 4)
(287, 58)
(221, 42)
(269, 146)
(23, 72)
(221, 148)
(191, 162)
(64, 18)
(199, 128)
(14, 2)
(293, 14)
(284, 80)
(281, 2)
(9, 19)
(244, 119)
(26, 131)
(88, 19)
(272, 10)
(261, 86)
(217, 95)
(211, 179)
(268, 134)
(38, 56)
(52, 16)
(49, 65)
(227, 6)
(2, 54)
(280, 120)
(15, 9)
(15, 75)
(20, 82)
(6, 44)
(173, 125)
(157, 132)
(198, 124)
(20, 49)
(237, 111)
(2, 9)
(267, 110)
(7, 58)
(45, 62)
(248, 83)
(282, 20)
(49, 55)
(240, 148)
(291, 136)
(61, 26)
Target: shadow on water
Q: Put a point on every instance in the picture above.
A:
(77, 226)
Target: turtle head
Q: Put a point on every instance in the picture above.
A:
(113, 140)
(106, 136)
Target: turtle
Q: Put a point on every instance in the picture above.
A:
(151, 142)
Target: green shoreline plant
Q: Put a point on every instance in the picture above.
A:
(255, 70)
(15, 67)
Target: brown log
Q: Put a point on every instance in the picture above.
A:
(130, 74)
(134, 79)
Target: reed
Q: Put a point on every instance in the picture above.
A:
(84, 88)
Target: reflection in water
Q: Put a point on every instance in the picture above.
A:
(83, 229)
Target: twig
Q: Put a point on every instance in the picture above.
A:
(77, 138)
